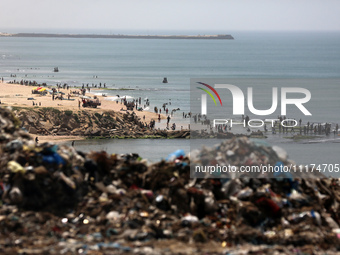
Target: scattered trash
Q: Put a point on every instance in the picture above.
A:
(56, 200)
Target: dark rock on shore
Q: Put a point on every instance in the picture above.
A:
(110, 124)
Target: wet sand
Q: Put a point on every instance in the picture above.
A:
(57, 139)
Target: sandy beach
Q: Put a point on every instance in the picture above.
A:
(16, 95)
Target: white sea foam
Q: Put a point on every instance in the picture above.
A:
(116, 98)
(101, 94)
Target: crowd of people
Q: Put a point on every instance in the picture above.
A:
(164, 112)
(289, 126)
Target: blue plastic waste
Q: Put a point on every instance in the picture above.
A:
(53, 158)
(177, 154)
(279, 172)
(114, 245)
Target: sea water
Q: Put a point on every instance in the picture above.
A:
(139, 65)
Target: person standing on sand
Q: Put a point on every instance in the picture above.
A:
(36, 140)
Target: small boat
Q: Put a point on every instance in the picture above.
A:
(165, 80)
(56, 69)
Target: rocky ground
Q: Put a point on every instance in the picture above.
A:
(108, 124)
(47, 121)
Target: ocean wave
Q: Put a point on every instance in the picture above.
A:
(100, 94)
(118, 98)
(335, 140)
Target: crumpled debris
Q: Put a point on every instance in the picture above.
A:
(260, 160)
(57, 200)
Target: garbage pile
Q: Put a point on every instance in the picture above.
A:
(56, 200)
(244, 158)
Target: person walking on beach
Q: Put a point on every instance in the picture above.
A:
(247, 120)
(36, 140)
(168, 118)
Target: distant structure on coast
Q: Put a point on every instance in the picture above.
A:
(220, 37)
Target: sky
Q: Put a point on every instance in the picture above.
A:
(112, 16)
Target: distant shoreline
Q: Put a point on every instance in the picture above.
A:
(119, 36)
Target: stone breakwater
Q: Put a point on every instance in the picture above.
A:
(56, 200)
(104, 124)
(204, 37)
(91, 124)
